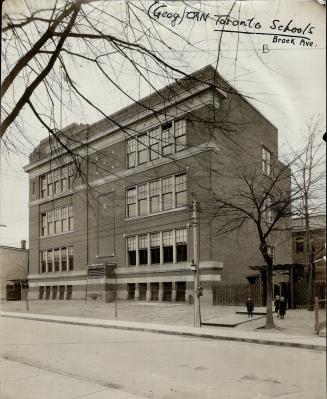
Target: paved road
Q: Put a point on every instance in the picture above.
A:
(48, 360)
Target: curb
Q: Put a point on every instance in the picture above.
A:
(161, 330)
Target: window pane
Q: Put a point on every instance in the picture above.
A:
(181, 198)
(143, 207)
(142, 148)
(142, 191)
(64, 259)
(155, 255)
(180, 143)
(154, 188)
(132, 258)
(167, 238)
(167, 201)
(131, 146)
(131, 160)
(131, 195)
(154, 136)
(154, 204)
(167, 140)
(143, 156)
(154, 151)
(131, 210)
(131, 243)
(143, 241)
(155, 240)
(181, 236)
(167, 185)
(168, 254)
(131, 202)
(180, 128)
(181, 252)
(143, 256)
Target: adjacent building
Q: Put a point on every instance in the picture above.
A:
(121, 223)
(13, 272)
(318, 242)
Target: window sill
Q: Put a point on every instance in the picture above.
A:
(180, 208)
(56, 234)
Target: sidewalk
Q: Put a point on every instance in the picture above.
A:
(227, 334)
(37, 382)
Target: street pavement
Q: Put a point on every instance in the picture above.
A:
(260, 336)
(53, 360)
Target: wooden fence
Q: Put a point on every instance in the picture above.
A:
(236, 294)
(301, 289)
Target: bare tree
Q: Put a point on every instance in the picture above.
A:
(46, 48)
(261, 198)
(308, 180)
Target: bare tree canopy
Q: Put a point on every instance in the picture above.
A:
(45, 49)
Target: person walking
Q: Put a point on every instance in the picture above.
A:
(250, 307)
(282, 307)
(276, 304)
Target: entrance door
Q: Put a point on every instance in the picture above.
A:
(142, 288)
(154, 291)
(167, 289)
(180, 291)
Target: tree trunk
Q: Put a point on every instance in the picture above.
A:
(269, 315)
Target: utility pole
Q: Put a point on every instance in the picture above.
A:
(196, 260)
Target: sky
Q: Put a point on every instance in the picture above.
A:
(284, 81)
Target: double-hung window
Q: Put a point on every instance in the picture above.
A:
(50, 222)
(71, 258)
(50, 260)
(57, 220)
(71, 170)
(70, 218)
(155, 247)
(154, 187)
(142, 199)
(43, 224)
(154, 140)
(167, 243)
(131, 250)
(131, 153)
(64, 259)
(64, 178)
(181, 245)
(180, 190)
(180, 135)
(131, 202)
(43, 261)
(142, 149)
(167, 139)
(50, 184)
(56, 259)
(267, 164)
(64, 219)
(43, 186)
(143, 249)
(167, 193)
(56, 181)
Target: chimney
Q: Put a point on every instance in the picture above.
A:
(23, 244)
